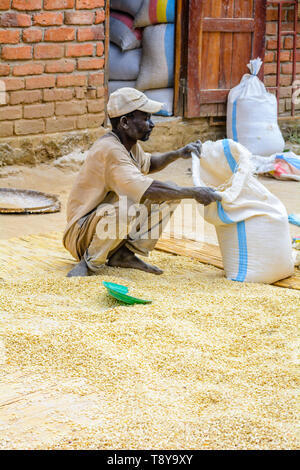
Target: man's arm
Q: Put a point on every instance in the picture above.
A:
(158, 162)
(160, 192)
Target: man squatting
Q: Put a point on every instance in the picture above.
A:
(117, 168)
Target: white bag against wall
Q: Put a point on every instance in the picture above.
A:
(251, 223)
(252, 115)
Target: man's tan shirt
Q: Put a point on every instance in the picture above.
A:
(109, 167)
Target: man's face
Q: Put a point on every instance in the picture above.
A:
(140, 126)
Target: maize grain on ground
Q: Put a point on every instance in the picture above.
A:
(210, 364)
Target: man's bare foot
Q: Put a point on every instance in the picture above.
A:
(80, 269)
(124, 258)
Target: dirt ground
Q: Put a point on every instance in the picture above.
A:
(51, 179)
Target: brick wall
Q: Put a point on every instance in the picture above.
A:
(285, 56)
(52, 64)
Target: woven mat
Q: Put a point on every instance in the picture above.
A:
(34, 254)
(44, 253)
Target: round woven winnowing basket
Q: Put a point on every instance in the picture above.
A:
(27, 201)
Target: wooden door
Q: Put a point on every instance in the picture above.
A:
(219, 39)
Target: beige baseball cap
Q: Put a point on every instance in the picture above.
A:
(125, 100)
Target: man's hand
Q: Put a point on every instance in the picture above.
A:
(186, 151)
(206, 195)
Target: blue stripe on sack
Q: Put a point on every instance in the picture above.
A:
(222, 214)
(243, 252)
(229, 157)
(234, 129)
(241, 228)
(169, 52)
(170, 11)
(292, 161)
(242, 241)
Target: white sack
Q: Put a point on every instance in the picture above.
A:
(251, 223)
(252, 115)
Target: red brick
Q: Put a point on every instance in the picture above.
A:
(23, 20)
(71, 80)
(32, 35)
(90, 64)
(285, 80)
(285, 92)
(16, 53)
(58, 4)
(271, 28)
(100, 49)
(79, 50)
(28, 126)
(47, 81)
(10, 113)
(60, 34)
(270, 69)
(271, 44)
(272, 14)
(269, 57)
(91, 93)
(38, 110)
(60, 66)
(100, 17)
(47, 51)
(95, 33)
(100, 91)
(6, 129)
(290, 14)
(28, 69)
(70, 108)
(285, 56)
(82, 122)
(4, 70)
(13, 83)
(95, 120)
(270, 80)
(13, 20)
(290, 26)
(4, 4)
(27, 4)
(95, 106)
(96, 79)
(9, 37)
(48, 19)
(60, 124)
(288, 68)
(89, 4)
(80, 92)
(17, 97)
(79, 17)
(288, 42)
(58, 94)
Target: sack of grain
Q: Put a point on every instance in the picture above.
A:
(251, 223)
(157, 64)
(114, 85)
(252, 115)
(165, 96)
(124, 65)
(128, 6)
(122, 33)
(155, 12)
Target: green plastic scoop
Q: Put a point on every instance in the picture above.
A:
(120, 292)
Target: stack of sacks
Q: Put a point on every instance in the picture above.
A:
(155, 77)
(125, 50)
